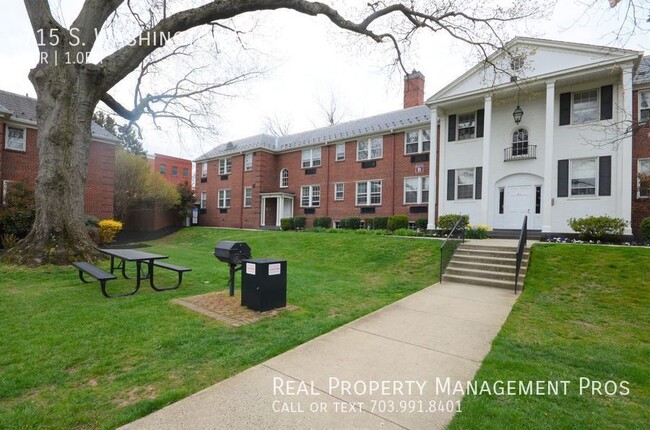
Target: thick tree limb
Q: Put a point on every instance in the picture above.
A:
(92, 17)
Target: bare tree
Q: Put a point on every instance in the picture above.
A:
(332, 111)
(277, 126)
(69, 87)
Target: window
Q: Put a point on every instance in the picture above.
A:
(339, 190)
(310, 196)
(204, 169)
(585, 107)
(186, 172)
(248, 161)
(467, 126)
(416, 190)
(225, 166)
(516, 63)
(368, 193)
(224, 199)
(174, 170)
(310, 158)
(538, 199)
(583, 177)
(465, 181)
(643, 178)
(16, 138)
(248, 197)
(163, 169)
(501, 200)
(340, 151)
(520, 142)
(284, 178)
(370, 149)
(644, 106)
(417, 142)
(204, 199)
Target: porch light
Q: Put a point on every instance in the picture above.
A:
(518, 114)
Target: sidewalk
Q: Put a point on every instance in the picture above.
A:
(386, 370)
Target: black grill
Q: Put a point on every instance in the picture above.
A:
(233, 253)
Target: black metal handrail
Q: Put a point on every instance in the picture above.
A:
(523, 238)
(527, 152)
(447, 248)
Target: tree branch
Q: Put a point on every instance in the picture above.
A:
(91, 19)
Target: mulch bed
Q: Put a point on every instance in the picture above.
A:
(221, 307)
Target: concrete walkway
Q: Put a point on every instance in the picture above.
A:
(386, 370)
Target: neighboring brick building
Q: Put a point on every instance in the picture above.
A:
(175, 170)
(19, 155)
(641, 144)
(362, 168)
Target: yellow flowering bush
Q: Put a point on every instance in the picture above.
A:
(108, 229)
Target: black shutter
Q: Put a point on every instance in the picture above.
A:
(451, 184)
(451, 130)
(478, 183)
(605, 176)
(563, 178)
(480, 121)
(565, 108)
(606, 102)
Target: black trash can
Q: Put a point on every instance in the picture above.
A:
(264, 284)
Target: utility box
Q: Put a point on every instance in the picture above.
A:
(264, 284)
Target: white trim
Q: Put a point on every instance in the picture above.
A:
(251, 197)
(284, 169)
(224, 200)
(420, 143)
(311, 159)
(248, 155)
(368, 192)
(336, 199)
(204, 200)
(639, 103)
(311, 188)
(596, 178)
(336, 152)
(369, 150)
(24, 139)
(418, 191)
(638, 180)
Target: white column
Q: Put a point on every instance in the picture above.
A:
(487, 143)
(549, 182)
(442, 167)
(433, 134)
(624, 173)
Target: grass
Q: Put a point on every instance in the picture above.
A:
(585, 313)
(69, 358)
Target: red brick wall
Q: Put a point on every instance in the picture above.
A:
(640, 149)
(151, 219)
(169, 162)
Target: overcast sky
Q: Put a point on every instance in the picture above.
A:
(307, 62)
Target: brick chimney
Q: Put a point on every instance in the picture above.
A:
(413, 89)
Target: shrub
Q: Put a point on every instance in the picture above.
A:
(299, 222)
(477, 232)
(398, 221)
(603, 228)
(421, 223)
(369, 223)
(447, 222)
(380, 223)
(286, 224)
(644, 229)
(351, 223)
(324, 222)
(108, 229)
(405, 232)
(9, 240)
(17, 215)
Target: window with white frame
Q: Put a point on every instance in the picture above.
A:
(585, 107)
(370, 149)
(416, 190)
(310, 158)
(368, 193)
(284, 178)
(417, 142)
(16, 138)
(340, 151)
(248, 161)
(225, 166)
(310, 196)
(520, 142)
(464, 184)
(204, 199)
(644, 106)
(583, 174)
(5, 187)
(224, 199)
(204, 169)
(339, 191)
(248, 197)
(643, 178)
(467, 126)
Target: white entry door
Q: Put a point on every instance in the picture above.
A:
(519, 201)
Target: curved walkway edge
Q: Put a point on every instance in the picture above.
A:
(394, 368)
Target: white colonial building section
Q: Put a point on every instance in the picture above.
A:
(567, 157)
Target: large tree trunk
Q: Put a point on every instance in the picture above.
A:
(66, 101)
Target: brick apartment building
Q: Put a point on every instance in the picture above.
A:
(19, 155)
(375, 166)
(175, 170)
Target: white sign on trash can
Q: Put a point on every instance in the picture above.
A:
(250, 268)
(275, 269)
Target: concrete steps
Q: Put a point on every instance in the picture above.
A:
(486, 265)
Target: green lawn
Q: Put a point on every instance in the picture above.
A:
(69, 358)
(585, 313)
